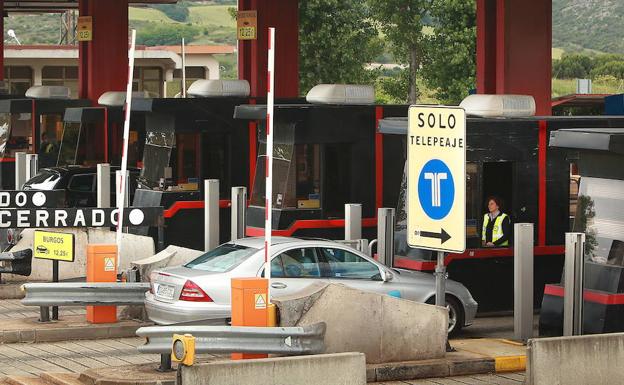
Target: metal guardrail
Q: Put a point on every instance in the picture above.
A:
(55, 294)
(238, 339)
(84, 293)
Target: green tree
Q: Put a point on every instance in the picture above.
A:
(152, 34)
(612, 68)
(450, 59)
(402, 22)
(572, 66)
(336, 39)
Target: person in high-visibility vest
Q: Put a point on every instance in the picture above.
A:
(496, 225)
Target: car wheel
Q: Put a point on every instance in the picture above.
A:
(456, 314)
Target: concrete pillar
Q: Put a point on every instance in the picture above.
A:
(523, 281)
(252, 54)
(37, 74)
(103, 62)
(514, 49)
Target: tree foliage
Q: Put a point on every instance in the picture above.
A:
(572, 66)
(337, 39)
(152, 34)
(450, 59)
(402, 22)
(178, 12)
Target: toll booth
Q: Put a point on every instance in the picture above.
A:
(509, 158)
(326, 153)
(23, 121)
(596, 153)
(95, 134)
(187, 141)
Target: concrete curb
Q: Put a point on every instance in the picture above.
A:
(510, 364)
(454, 365)
(145, 374)
(54, 332)
(11, 291)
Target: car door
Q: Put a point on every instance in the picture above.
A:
(295, 269)
(81, 190)
(350, 269)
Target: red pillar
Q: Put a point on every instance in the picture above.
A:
(2, 40)
(252, 54)
(104, 60)
(514, 40)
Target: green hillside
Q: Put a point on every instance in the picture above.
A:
(589, 25)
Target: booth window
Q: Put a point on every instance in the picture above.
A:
(473, 214)
(148, 79)
(61, 76)
(156, 155)
(188, 150)
(296, 176)
(80, 145)
(15, 133)
(18, 78)
(599, 213)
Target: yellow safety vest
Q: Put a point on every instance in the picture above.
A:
(497, 231)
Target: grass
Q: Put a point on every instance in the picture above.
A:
(557, 53)
(562, 87)
(216, 15)
(148, 14)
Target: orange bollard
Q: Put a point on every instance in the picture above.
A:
(101, 267)
(249, 307)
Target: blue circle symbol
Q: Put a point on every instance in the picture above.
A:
(436, 189)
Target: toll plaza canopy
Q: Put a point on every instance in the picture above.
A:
(513, 46)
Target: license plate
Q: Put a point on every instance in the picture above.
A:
(165, 291)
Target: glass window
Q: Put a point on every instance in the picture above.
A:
(223, 258)
(148, 79)
(345, 264)
(296, 172)
(473, 215)
(599, 213)
(156, 155)
(68, 150)
(298, 263)
(61, 76)
(20, 137)
(82, 183)
(191, 73)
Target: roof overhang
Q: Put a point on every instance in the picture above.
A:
(61, 5)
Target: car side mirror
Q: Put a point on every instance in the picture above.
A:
(386, 275)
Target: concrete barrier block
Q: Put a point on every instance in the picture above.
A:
(583, 360)
(386, 329)
(323, 369)
(170, 256)
(133, 247)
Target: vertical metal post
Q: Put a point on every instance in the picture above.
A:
(573, 281)
(161, 233)
(353, 221)
(55, 278)
(165, 362)
(440, 273)
(239, 202)
(211, 214)
(32, 161)
(523, 281)
(103, 185)
(20, 169)
(385, 236)
(44, 314)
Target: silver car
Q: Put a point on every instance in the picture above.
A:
(200, 290)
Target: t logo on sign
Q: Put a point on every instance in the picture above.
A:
(436, 189)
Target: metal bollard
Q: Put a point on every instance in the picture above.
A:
(20, 169)
(211, 214)
(573, 281)
(32, 161)
(353, 221)
(440, 274)
(165, 363)
(103, 185)
(523, 281)
(44, 314)
(385, 236)
(239, 203)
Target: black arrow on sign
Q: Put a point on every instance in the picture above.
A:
(443, 236)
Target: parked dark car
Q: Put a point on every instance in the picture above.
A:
(79, 183)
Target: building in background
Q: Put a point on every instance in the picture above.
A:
(158, 70)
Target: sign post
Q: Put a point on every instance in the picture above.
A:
(436, 179)
(56, 247)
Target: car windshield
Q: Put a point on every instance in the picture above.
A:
(44, 180)
(222, 259)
